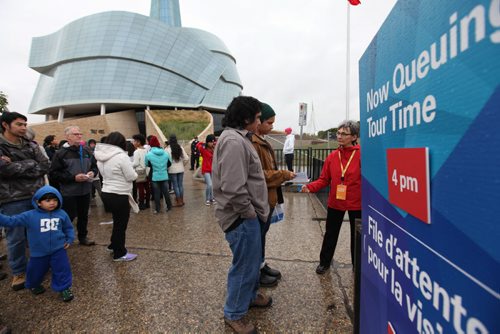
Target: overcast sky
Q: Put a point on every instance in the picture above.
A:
(287, 51)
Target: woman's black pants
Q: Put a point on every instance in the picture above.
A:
(120, 209)
(334, 220)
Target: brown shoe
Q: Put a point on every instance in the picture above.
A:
(18, 282)
(261, 301)
(241, 326)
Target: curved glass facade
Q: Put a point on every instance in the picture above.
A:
(124, 59)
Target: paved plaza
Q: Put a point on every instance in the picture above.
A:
(178, 282)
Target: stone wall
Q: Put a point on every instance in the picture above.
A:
(94, 127)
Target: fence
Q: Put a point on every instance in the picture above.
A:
(311, 162)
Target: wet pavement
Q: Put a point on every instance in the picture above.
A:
(178, 282)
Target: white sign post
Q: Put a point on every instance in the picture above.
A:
(302, 118)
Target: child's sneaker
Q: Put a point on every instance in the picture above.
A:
(125, 258)
(67, 295)
(38, 290)
(207, 203)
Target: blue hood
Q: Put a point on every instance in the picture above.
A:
(46, 190)
(47, 231)
(158, 151)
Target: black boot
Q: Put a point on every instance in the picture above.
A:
(271, 272)
(267, 281)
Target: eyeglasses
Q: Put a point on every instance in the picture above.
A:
(76, 134)
(343, 134)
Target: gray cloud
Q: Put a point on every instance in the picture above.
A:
(287, 51)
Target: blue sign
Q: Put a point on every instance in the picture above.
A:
(431, 79)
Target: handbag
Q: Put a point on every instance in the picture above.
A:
(141, 170)
(278, 213)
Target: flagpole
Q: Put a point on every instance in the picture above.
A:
(348, 61)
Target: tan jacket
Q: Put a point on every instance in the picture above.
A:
(238, 181)
(274, 177)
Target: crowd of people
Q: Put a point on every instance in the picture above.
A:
(241, 174)
(68, 173)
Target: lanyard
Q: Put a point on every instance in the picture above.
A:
(347, 166)
(81, 157)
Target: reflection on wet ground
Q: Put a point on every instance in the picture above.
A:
(178, 282)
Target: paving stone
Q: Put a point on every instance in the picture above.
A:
(178, 282)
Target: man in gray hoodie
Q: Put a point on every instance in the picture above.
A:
(241, 194)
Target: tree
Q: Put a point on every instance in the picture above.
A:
(323, 134)
(3, 102)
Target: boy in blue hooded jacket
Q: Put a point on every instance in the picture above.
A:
(50, 233)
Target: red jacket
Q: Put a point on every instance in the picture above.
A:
(331, 174)
(207, 155)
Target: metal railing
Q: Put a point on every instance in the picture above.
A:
(308, 160)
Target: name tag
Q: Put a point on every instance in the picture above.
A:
(341, 192)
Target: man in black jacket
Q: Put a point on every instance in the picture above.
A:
(74, 167)
(195, 154)
(22, 170)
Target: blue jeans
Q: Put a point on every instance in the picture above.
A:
(177, 183)
(16, 236)
(243, 276)
(161, 187)
(209, 194)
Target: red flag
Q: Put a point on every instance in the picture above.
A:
(354, 2)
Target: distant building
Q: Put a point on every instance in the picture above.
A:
(115, 61)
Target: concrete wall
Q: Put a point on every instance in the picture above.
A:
(208, 130)
(94, 127)
(152, 128)
(97, 127)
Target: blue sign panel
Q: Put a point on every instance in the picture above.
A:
(430, 79)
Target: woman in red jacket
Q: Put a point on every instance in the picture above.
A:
(342, 172)
(207, 152)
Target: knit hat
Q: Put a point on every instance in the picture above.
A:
(266, 111)
(288, 131)
(210, 138)
(154, 142)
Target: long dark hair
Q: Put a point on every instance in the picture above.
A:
(175, 147)
(48, 140)
(117, 139)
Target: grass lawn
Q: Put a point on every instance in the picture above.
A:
(185, 124)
